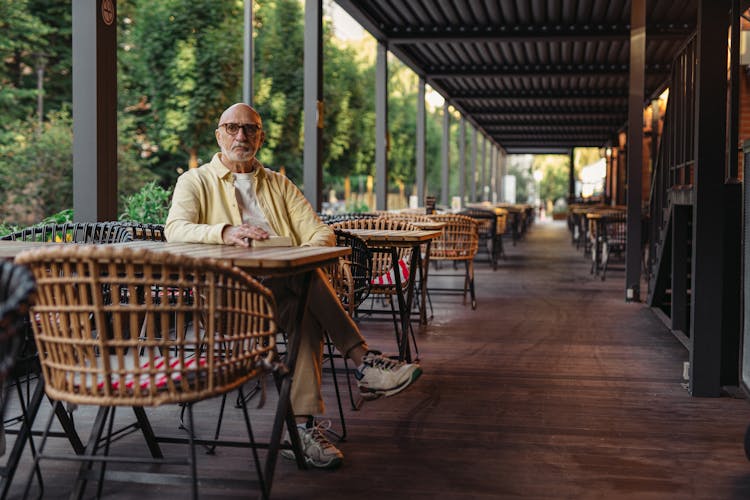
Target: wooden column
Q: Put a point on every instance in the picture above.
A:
(94, 110)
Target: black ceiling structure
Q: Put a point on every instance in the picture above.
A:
(533, 75)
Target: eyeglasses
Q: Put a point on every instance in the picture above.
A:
(250, 129)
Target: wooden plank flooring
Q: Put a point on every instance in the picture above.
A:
(554, 387)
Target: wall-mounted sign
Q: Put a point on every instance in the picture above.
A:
(108, 12)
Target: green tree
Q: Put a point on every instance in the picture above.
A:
(36, 171)
(23, 40)
(556, 175)
(279, 61)
(184, 59)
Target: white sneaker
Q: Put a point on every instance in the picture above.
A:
(318, 451)
(381, 376)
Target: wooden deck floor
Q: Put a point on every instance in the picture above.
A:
(554, 387)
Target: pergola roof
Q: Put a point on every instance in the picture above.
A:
(533, 75)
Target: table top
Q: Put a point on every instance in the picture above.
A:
(253, 260)
(9, 249)
(428, 226)
(395, 236)
(263, 259)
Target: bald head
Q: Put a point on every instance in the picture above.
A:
(240, 109)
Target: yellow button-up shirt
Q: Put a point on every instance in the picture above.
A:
(204, 202)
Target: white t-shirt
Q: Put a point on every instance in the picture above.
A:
(244, 188)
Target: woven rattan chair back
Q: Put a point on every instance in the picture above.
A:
(382, 263)
(73, 232)
(143, 230)
(353, 276)
(460, 238)
(16, 288)
(102, 351)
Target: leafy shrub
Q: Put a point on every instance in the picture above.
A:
(149, 205)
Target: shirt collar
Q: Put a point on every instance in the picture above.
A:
(223, 172)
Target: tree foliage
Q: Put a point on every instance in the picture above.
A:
(179, 66)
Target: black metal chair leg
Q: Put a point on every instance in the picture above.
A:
(103, 465)
(265, 489)
(470, 277)
(192, 455)
(37, 457)
(340, 436)
(96, 434)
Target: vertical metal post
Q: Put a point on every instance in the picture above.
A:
(473, 174)
(501, 176)
(635, 149)
(680, 262)
(94, 110)
(445, 156)
(493, 175)
(247, 56)
(483, 169)
(734, 97)
(420, 140)
(708, 322)
(381, 127)
(462, 160)
(313, 102)
(571, 176)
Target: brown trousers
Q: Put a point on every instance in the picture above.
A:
(323, 313)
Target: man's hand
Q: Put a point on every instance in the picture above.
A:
(241, 235)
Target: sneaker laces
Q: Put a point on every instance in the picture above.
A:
(316, 433)
(377, 360)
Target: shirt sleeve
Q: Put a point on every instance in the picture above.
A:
(311, 230)
(184, 220)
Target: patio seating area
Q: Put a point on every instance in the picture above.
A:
(554, 387)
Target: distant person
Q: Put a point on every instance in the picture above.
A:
(234, 199)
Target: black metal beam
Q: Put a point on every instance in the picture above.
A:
(541, 130)
(539, 118)
(515, 108)
(531, 70)
(529, 118)
(532, 33)
(707, 325)
(569, 93)
(550, 141)
(548, 150)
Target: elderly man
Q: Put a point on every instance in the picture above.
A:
(234, 199)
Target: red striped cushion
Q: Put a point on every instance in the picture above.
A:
(144, 381)
(390, 277)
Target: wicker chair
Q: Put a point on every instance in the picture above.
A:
(143, 230)
(73, 232)
(459, 242)
(487, 230)
(89, 355)
(383, 279)
(16, 288)
(613, 229)
(27, 359)
(350, 279)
